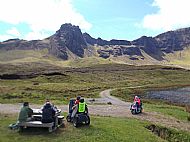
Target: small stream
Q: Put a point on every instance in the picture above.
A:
(178, 96)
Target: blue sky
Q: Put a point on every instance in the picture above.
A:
(108, 19)
(117, 19)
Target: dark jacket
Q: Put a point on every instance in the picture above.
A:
(48, 114)
(25, 113)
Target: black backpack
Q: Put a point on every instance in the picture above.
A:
(48, 114)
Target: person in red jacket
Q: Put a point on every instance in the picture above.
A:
(137, 100)
(75, 107)
(77, 100)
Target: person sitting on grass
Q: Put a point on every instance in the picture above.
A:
(25, 114)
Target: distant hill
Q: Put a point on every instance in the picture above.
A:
(69, 43)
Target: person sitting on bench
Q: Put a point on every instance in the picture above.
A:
(48, 113)
(25, 114)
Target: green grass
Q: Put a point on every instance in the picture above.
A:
(86, 81)
(101, 129)
(170, 135)
(174, 111)
(20, 56)
(59, 92)
(88, 61)
(181, 58)
(7, 56)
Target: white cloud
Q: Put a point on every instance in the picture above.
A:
(5, 37)
(41, 15)
(36, 35)
(172, 14)
(10, 34)
(14, 32)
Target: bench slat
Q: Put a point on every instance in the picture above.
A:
(36, 124)
(60, 117)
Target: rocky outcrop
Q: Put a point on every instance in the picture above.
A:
(116, 51)
(92, 41)
(150, 46)
(173, 40)
(131, 50)
(68, 37)
(17, 44)
(119, 42)
(104, 53)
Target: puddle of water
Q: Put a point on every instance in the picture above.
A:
(178, 96)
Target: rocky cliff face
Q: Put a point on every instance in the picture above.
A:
(150, 46)
(155, 47)
(90, 40)
(67, 40)
(101, 42)
(173, 40)
(68, 37)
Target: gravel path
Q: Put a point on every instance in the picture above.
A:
(118, 108)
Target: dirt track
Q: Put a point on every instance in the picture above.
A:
(117, 108)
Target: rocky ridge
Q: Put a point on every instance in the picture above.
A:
(69, 42)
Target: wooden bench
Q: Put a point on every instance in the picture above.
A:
(36, 124)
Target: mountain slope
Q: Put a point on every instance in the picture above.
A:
(68, 43)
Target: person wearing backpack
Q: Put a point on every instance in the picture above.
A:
(48, 113)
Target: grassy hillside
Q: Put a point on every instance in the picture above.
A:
(103, 129)
(11, 55)
(87, 81)
(180, 58)
(16, 57)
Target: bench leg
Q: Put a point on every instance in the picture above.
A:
(50, 129)
(21, 128)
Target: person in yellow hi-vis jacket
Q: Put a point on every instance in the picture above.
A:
(81, 116)
(81, 107)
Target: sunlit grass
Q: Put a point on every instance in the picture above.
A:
(174, 111)
(88, 82)
(103, 129)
